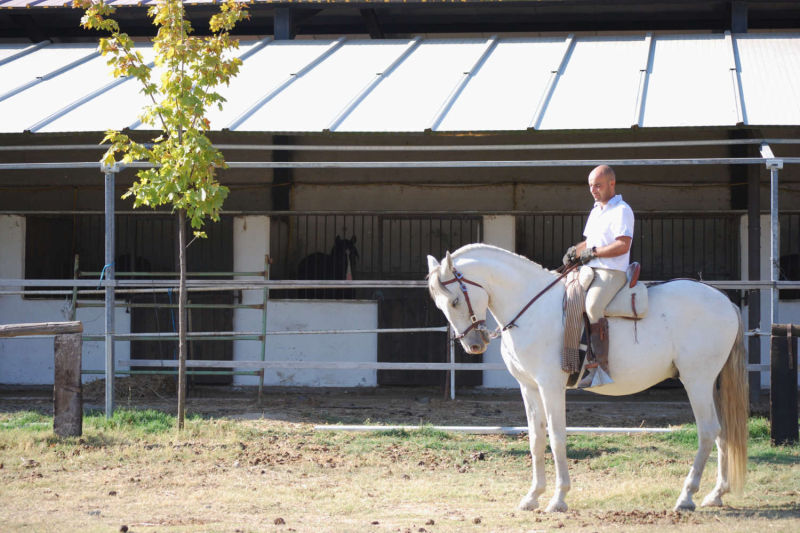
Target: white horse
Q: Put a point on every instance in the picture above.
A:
(692, 331)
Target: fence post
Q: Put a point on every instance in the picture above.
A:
(67, 392)
(783, 388)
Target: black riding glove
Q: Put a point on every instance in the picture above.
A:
(571, 256)
(587, 255)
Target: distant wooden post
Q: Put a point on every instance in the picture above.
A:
(783, 387)
(67, 392)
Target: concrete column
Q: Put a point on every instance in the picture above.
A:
(499, 230)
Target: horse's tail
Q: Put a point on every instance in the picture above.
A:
(733, 402)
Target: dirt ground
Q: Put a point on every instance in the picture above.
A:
(658, 407)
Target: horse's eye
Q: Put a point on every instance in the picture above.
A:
(454, 303)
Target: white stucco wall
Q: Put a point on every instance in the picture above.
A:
(788, 310)
(250, 245)
(29, 360)
(499, 231)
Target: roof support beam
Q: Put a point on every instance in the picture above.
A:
(735, 70)
(379, 77)
(370, 18)
(555, 72)
(335, 45)
(282, 23)
(448, 104)
(644, 79)
(738, 16)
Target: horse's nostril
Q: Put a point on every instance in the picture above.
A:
(475, 348)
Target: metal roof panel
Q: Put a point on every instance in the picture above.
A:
(598, 86)
(409, 97)
(315, 99)
(770, 76)
(690, 82)
(504, 92)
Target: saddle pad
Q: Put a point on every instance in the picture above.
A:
(621, 306)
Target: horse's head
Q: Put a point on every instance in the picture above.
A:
(463, 302)
(344, 255)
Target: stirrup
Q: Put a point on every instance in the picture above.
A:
(594, 377)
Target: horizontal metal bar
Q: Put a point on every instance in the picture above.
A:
(359, 331)
(173, 274)
(208, 336)
(328, 365)
(544, 163)
(491, 430)
(127, 305)
(257, 335)
(430, 147)
(226, 284)
(216, 283)
(399, 212)
(175, 372)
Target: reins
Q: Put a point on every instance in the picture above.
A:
(480, 324)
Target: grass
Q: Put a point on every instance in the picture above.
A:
(264, 475)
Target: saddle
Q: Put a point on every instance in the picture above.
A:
(630, 302)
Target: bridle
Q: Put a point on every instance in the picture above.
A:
(480, 325)
(462, 281)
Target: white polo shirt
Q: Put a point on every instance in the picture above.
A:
(605, 224)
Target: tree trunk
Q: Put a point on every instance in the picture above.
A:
(181, 317)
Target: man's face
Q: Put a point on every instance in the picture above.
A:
(602, 187)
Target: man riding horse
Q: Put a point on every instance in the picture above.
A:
(608, 232)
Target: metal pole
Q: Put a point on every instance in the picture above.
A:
(754, 273)
(774, 166)
(264, 328)
(452, 342)
(109, 295)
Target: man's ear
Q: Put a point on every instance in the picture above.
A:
(433, 264)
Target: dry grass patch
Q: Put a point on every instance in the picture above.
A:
(265, 475)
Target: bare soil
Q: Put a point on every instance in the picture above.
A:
(658, 407)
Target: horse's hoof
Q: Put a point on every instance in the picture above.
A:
(712, 500)
(528, 503)
(557, 507)
(684, 506)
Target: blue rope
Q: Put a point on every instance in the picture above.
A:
(103, 272)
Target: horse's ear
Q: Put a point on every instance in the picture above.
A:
(433, 264)
(448, 261)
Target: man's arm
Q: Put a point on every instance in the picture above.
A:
(620, 246)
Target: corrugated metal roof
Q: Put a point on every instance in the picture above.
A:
(554, 83)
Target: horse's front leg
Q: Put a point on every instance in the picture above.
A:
(555, 409)
(536, 433)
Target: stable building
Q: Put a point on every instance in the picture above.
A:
(388, 144)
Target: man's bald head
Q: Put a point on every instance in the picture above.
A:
(602, 183)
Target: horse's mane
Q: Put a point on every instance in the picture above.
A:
(435, 285)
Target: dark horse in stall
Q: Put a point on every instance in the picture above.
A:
(339, 264)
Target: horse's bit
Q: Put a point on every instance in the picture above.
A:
(480, 325)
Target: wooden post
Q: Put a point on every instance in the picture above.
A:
(67, 392)
(67, 395)
(783, 388)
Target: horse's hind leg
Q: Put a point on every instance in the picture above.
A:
(701, 396)
(714, 498)
(536, 431)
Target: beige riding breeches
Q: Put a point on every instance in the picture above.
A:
(605, 286)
